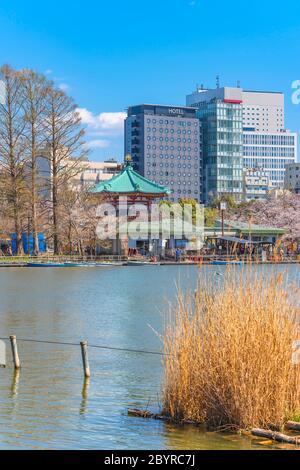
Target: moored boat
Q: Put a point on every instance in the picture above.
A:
(71, 264)
(45, 265)
(225, 262)
(142, 263)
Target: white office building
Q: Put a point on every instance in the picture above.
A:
(292, 177)
(256, 184)
(267, 145)
(263, 111)
(92, 173)
(270, 152)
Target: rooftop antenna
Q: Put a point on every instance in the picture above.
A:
(218, 81)
(238, 84)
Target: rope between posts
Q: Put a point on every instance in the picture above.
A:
(96, 346)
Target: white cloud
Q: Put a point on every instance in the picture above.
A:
(103, 124)
(64, 87)
(103, 130)
(97, 144)
(48, 72)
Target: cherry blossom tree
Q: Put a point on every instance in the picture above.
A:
(281, 211)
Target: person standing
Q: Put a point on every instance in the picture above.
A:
(177, 255)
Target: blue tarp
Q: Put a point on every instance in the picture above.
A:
(28, 247)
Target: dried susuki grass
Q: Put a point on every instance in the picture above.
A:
(229, 353)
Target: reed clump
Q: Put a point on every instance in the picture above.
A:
(230, 354)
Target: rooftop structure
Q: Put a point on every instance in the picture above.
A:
(131, 184)
(263, 111)
(256, 183)
(91, 173)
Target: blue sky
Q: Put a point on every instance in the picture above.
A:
(112, 54)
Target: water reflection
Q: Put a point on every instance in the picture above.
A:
(84, 394)
(15, 384)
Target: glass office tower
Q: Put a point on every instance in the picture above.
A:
(222, 130)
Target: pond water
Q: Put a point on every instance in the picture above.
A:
(47, 405)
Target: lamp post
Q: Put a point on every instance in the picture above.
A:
(223, 207)
(28, 236)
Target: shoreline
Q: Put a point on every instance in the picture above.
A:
(169, 263)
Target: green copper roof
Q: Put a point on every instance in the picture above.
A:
(247, 228)
(129, 181)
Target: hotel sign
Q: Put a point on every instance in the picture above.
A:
(162, 110)
(174, 111)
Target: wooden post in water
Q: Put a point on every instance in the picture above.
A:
(85, 359)
(14, 350)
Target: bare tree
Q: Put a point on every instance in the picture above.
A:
(12, 145)
(67, 151)
(34, 106)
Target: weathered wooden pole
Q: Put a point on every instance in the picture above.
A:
(85, 359)
(276, 436)
(294, 426)
(14, 350)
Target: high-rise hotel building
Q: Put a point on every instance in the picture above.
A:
(165, 145)
(242, 131)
